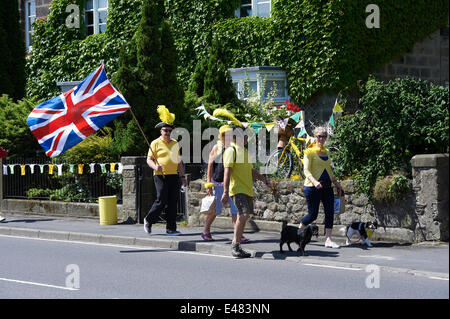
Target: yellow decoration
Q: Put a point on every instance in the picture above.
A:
(80, 169)
(112, 167)
(313, 148)
(209, 185)
(165, 115)
(50, 168)
(223, 129)
(269, 126)
(369, 233)
(228, 114)
(337, 108)
(22, 170)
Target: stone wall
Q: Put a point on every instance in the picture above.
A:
(427, 60)
(422, 215)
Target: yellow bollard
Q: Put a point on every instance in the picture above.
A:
(108, 210)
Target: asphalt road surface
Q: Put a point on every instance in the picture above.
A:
(41, 269)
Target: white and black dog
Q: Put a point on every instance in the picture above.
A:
(363, 230)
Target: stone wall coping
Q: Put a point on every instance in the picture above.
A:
(429, 160)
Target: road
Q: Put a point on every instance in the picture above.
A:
(36, 268)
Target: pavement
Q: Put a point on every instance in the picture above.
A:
(430, 259)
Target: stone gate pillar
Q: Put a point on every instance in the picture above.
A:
(137, 188)
(430, 184)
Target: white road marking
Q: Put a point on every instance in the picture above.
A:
(438, 278)
(36, 284)
(334, 267)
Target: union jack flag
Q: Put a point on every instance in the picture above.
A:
(64, 121)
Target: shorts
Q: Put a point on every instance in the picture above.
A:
(218, 192)
(244, 203)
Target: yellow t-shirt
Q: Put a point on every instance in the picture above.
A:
(241, 180)
(314, 166)
(167, 155)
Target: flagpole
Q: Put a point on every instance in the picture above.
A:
(140, 128)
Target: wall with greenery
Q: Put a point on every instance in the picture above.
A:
(66, 54)
(398, 120)
(323, 45)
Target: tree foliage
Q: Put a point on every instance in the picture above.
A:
(15, 135)
(12, 48)
(398, 120)
(147, 78)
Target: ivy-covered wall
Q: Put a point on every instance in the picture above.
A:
(323, 45)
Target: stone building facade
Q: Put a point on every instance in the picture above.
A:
(427, 60)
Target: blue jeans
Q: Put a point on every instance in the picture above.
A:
(218, 192)
(313, 198)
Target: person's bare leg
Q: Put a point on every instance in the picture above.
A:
(208, 222)
(239, 227)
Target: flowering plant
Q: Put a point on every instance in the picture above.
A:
(3, 153)
(285, 110)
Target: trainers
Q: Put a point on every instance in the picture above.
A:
(237, 251)
(147, 227)
(172, 233)
(331, 244)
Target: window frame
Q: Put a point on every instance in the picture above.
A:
(255, 5)
(28, 24)
(262, 75)
(95, 19)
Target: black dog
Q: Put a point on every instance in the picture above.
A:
(302, 237)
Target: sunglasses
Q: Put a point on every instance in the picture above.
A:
(322, 136)
(166, 130)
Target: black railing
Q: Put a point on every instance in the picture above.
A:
(41, 178)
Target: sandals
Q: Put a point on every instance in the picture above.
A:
(207, 237)
(244, 240)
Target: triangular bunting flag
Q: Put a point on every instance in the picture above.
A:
(331, 121)
(296, 117)
(337, 108)
(269, 126)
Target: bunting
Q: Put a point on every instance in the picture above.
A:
(8, 169)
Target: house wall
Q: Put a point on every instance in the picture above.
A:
(427, 60)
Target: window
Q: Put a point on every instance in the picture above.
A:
(256, 8)
(95, 16)
(263, 82)
(30, 16)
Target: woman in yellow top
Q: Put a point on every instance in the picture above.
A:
(318, 179)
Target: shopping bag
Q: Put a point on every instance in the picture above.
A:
(208, 205)
(339, 203)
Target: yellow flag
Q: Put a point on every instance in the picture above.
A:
(22, 170)
(80, 169)
(337, 108)
(50, 168)
(269, 126)
(112, 167)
